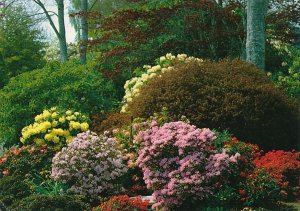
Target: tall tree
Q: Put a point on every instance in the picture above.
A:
(21, 44)
(84, 31)
(256, 36)
(61, 31)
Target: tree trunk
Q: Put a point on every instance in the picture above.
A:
(220, 3)
(62, 31)
(256, 36)
(84, 31)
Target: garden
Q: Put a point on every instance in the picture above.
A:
(159, 105)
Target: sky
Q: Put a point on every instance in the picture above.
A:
(70, 32)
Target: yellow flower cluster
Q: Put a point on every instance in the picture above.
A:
(166, 63)
(54, 127)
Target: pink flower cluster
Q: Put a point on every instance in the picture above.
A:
(89, 164)
(179, 162)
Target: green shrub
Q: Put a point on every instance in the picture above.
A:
(13, 188)
(289, 77)
(49, 203)
(231, 95)
(69, 85)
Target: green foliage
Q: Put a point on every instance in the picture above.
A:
(70, 86)
(13, 188)
(50, 203)
(155, 28)
(21, 46)
(231, 95)
(260, 189)
(289, 76)
(49, 187)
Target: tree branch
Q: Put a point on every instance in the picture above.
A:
(38, 2)
(93, 5)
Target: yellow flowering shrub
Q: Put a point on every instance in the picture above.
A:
(164, 64)
(55, 127)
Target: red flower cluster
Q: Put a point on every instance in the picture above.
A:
(124, 203)
(26, 159)
(278, 163)
(283, 166)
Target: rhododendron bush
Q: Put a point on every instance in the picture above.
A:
(90, 165)
(180, 162)
(55, 127)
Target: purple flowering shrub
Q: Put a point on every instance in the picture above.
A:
(180, 162)
(90, 165)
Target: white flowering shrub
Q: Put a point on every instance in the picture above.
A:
(164, 64)
(90, 165)
(53, 51)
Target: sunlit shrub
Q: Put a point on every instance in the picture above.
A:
(55, 127)
(70, 85)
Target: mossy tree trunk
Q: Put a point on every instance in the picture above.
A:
(256, 36)
(84, 31)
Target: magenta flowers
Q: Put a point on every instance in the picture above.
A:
(179, 161)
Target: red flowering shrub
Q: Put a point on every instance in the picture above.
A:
(259, 189)
(27, 160)
(124, 203)
(234, 191)
(284, 167)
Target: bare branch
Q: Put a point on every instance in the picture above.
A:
(46, 12)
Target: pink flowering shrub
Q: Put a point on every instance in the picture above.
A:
(180, 162)
(90, 165)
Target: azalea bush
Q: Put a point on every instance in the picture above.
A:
(179, 163)
(27, 161)
(284, 168)
(124, 203)
(90, 165)
(55, 127)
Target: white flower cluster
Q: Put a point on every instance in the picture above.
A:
(165, 64)
(89, 165)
